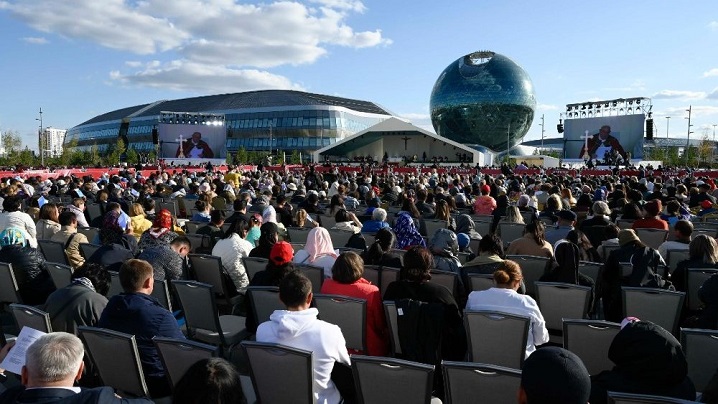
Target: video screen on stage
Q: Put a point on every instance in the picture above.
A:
(626, 134)
(198, 141)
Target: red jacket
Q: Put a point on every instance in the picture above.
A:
(377, 334)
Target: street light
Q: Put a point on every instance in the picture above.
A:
(668, 121)
(40, 143)
(688, 138)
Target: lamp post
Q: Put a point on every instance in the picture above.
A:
(270, 139)
(668, 121)
(542, 131)
(40, 143)
(688, 138)
(714, 131)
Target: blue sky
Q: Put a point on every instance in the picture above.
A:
(80, 58)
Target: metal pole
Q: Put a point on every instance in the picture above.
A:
(668, 121)
(40, 142)
(714, 132)
(542, 131)
(270, 139)
(688, 138)
(508, 143)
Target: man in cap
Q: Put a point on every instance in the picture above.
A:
(566, 221)
(554, 375)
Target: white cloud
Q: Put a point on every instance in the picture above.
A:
(36, 40)
(713, 95)
(713, 25)
(711, 73)
(412, 116)
(547, 107)
(697, 111)
(679, 94)
(236, 39)
(188, 76)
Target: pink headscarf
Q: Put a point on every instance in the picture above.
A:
(319, 244)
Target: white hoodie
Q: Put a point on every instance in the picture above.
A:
(303, 330)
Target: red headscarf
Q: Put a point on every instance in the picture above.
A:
(162, 223)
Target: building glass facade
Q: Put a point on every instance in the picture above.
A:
(313, 122)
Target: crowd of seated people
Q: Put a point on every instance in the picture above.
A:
(566, 220)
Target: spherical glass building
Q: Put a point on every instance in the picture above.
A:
(483, 98)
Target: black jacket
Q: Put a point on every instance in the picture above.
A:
(98, 395)
(648, 360)
(28, 265)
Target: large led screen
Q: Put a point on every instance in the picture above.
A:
(198, 141)
(626, 129)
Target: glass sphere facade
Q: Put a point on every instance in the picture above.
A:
(483, 98)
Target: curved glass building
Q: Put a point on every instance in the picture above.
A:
(483, 98)
(294, 120)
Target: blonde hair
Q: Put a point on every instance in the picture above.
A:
(300, 217)
(137, 210)
(513, 215)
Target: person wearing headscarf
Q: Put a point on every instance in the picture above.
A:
(407, 235)
(161, 232)
(268, 237)
(465, 224)
(117, 246)
(648, 360)
(318, 251)
(28, 265)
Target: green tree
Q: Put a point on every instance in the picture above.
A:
(11, 141)
(705, 151)
(94, 155)
(295, 157)
(241, 156)
(131, 156)
(114, 152)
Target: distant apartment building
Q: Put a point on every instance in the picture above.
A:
(51, 141)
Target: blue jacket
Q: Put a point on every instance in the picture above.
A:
(141, 315)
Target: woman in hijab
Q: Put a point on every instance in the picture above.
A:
(268, 237)
(406, 232)
(28, 265)
(465, 224)
(318, 251)
(160, 233)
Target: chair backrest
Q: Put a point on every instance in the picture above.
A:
(253, 265)
(701, 350)
(298, 234)
(9, 290)
(558, 301)
(591, 269)
(630, 398)
(54, 251)
(170, 205)
(327, 221)
(511, 231)
(340, 238)
(482, 227)
(590, 340)
(89, 232)
(533, 268)
(463, 257)
(496, 338)
(94, 210)
(29, 316)
(61, 274)
(178, 355)
(388, 275)
(447, 279)
(674, 257)
(381, 380)
(116, 359)
(346, 312)
(208, 269)
(464, 382)
(695, 277)
(161, 292)
(198, 242)
(479, 282)
(192, 227)
(199, 308)
(314, 273)
(652, 237)
(271, 362)
(87, 249)
(115, 286)
(372, 273)
(624, 223)
(393, 323)
(608, 249)
(432, 225)
(265, 299)
(662, 307)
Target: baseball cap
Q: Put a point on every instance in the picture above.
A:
(281, 253)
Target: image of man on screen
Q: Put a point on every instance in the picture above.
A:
(194, 148)
(601, 144)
